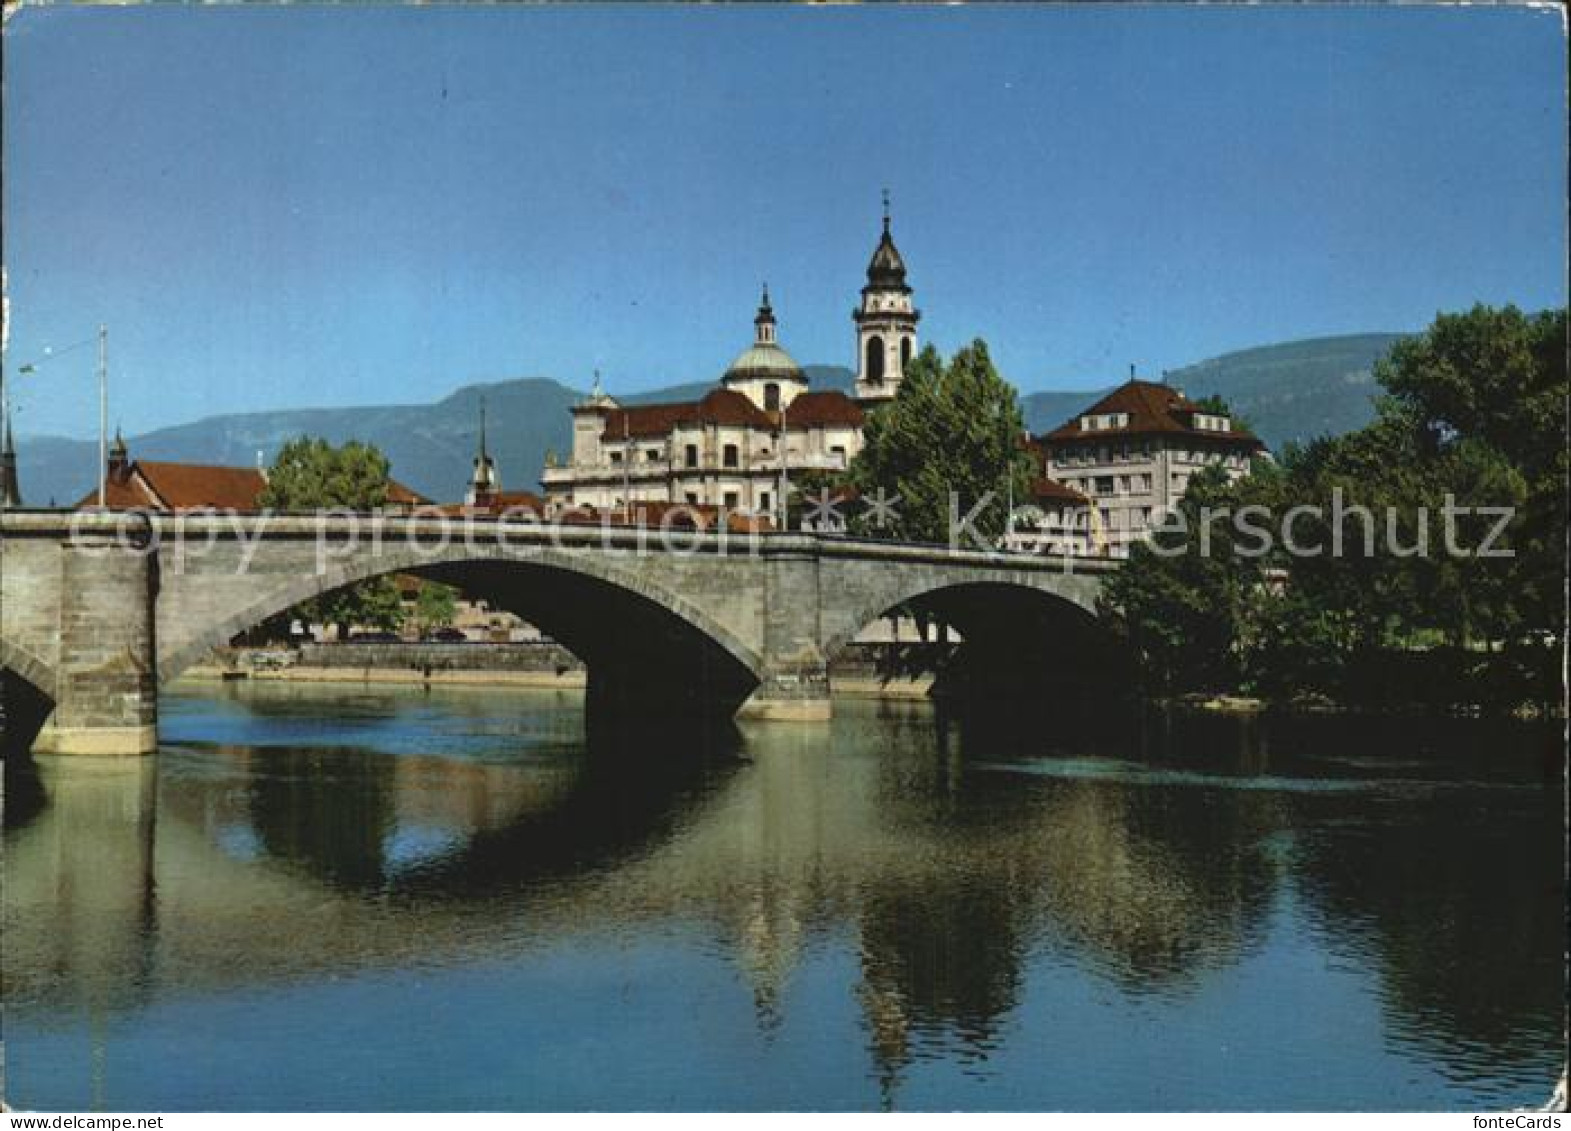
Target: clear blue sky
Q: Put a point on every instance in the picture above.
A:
(331, 206)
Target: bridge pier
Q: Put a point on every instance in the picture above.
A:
(92, 620)
(106, 689)
(794, 679)
(791, 692)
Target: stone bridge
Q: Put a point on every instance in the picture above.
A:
(97, 609)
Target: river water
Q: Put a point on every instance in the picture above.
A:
(320, 898)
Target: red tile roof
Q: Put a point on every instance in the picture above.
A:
(398, 494)
(1051, 493)
(727, 406)
(720, 406)
(160, 485)
(645, 420)
(180, 486)
(520, 502)
(1152, 409)
(824, 407)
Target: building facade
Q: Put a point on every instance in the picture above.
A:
(1130, 456)
(741, 444)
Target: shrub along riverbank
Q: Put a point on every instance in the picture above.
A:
(1419, 562)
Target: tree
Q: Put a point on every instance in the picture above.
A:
(1495, 380)
(435, 605)
(311, 474)
(1472, 417)
(948, 445)
(1183, 601)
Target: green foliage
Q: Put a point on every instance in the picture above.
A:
(435, 605)
(949, 439)
(1183, 598)
(808, 487)
(1472, 417)
(1218, 406)
(311, 474)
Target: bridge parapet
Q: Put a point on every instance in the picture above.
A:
(103, 606)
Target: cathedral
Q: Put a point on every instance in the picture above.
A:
(739, 445)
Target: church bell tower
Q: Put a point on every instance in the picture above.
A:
(885, 323)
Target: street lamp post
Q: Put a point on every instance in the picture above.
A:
(781, 501)
(52, 354)
(103, 413)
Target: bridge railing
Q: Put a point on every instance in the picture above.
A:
(438, 534)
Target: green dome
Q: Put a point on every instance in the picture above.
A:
(764, 359)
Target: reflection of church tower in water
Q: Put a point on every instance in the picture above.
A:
(885, 323)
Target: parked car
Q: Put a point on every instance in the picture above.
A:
(446, 636)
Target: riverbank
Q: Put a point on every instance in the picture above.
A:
(902, 672)
(851, 687)
(1245, 705)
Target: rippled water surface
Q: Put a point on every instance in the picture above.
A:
(319, 898)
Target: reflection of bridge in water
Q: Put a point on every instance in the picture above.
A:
(251, 866)
(97, 610)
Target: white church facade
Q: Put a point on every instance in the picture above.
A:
(741, 444)
(1105, 478)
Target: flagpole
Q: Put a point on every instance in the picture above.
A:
(103, 413)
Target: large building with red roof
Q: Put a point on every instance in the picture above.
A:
(1131, 456)
(761, 426)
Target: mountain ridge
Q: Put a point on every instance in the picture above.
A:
(1286, 391)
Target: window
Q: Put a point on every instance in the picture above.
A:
(839, 452)
(692, 498)
(905, 353)
(772, 397)
(692, 457)
(616, 457)
(1104, 484)
(730, 455)
(730, 500)
(875, 360)
(652, 455)
(763, 500)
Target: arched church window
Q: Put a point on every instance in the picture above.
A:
(772, 397)
(875, 359)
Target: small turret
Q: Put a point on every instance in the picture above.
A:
(885, 323)
(10, 487)
(483, 481)
(764, 322)
(119, 458)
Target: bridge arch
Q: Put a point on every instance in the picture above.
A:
(1019, 635)
(607, 620)
(938, 593)
(28, 691)
(34, 671)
